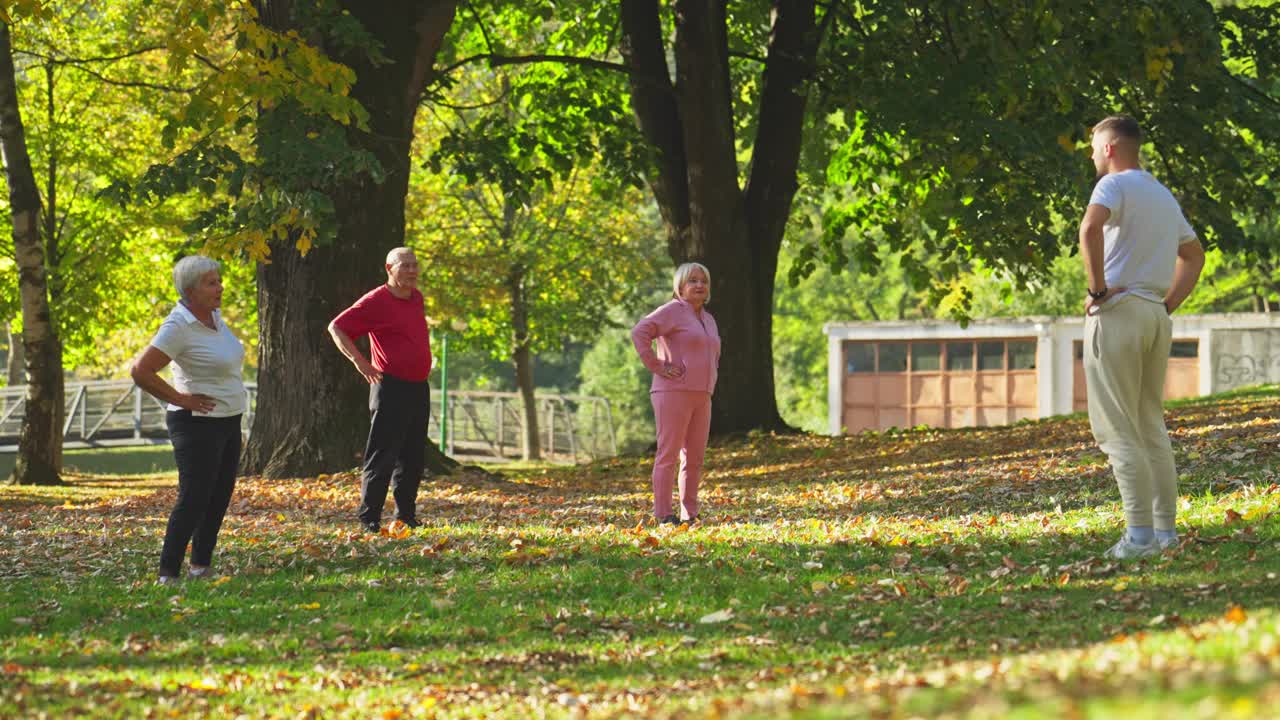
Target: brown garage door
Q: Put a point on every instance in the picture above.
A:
(940, 383)
(1182, 379)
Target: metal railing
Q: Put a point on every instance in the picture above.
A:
(105, 413)
(570, 427)
(102, 413)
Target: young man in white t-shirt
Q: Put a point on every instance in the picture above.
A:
(1142, 259)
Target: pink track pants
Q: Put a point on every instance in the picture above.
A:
(683, 420)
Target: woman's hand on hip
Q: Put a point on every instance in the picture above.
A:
(196, 402)
(671, 372)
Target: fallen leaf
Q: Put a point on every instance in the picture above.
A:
(718, 616)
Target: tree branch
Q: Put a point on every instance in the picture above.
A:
(746, 56)
(132, 83)
(656, 111)
(496, 60)
(1249, 86)
(64, 60)
(771, 180)
(484, 31)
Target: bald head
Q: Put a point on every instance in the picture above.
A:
(402, 271)
(397, 254)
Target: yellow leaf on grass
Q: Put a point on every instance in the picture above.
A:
(1236, 614)
(310, 606)
(280, 517)
(204, 683)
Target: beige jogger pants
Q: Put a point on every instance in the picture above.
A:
(1126, 354)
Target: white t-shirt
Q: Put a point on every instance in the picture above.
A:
(1143, 233)
(204, 361)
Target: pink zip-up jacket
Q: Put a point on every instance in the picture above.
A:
(686, 341)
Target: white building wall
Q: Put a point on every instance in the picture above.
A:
(1255, 336)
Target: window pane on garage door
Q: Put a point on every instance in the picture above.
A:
(959, 356)
(893, 357)
(859, 358)
(926, 356)
(1022, 355)
(991, 356)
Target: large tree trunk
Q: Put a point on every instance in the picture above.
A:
(40, 446)
(312, 405)
(15, 372)
(522, 360)
(736, 232)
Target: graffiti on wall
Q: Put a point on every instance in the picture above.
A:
(1237, 370)
(1245, 357)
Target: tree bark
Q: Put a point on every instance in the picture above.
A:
(312, 406)
(39, 459)
(522, 360)
(15, 367)
(736, 232)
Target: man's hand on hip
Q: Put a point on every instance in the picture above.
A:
(1091, 306)
(370, 373)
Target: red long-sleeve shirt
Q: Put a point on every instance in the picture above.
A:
(399, 340)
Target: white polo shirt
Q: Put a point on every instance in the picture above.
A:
(1142, 234)
(205, 361)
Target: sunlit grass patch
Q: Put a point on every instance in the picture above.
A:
(923, 573)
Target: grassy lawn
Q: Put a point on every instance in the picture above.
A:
(896, 575)
(145, 460)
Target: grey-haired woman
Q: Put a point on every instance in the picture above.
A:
(205, 403)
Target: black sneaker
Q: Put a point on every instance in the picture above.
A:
(371, 526)
(410, 522)
(670, 520)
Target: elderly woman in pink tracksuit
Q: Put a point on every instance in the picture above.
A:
(684, 376)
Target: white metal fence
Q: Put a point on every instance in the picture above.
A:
(104, 413)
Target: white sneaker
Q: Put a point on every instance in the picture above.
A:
(1168, 544)
(1127, 549)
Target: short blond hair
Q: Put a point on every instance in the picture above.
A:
(1123, 126)
(682, 276)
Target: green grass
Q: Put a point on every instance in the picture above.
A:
(916, 574)
(143, 460)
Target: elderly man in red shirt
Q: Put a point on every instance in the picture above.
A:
(393, 317)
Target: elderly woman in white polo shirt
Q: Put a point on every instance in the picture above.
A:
(205, 403)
